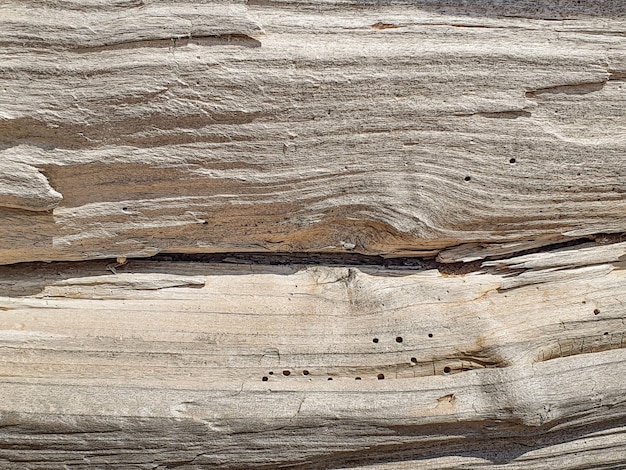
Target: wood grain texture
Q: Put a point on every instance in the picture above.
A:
(139, 127)
(202, 365)
(311, 147)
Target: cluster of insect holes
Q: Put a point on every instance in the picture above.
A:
(511, 161)
(379, 376)
(399, 339)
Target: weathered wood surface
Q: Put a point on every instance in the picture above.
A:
(163, 364)
(486, 139)
(135, 127)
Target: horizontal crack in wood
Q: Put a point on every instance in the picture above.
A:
(242, 40)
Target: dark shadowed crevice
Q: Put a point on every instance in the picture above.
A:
(242, 40)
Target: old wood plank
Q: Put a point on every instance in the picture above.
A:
(229, 366)
(142, 127)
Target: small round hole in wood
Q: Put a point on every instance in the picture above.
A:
(375, 340)
(399, 339)
(381, 376)
(596, 311)
(286, 372)
(265, 379)
(305, 372)
(446, 370)
(468, 178)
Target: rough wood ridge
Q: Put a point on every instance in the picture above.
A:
(389, 235)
